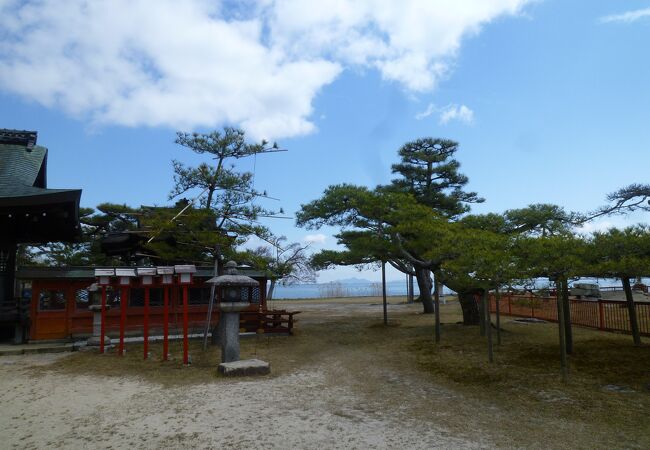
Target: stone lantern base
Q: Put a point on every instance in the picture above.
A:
(94, 341)
(245, 367)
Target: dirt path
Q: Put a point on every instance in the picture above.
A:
(343, 381)
(321, 405)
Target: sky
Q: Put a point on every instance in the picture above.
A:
(548, 99)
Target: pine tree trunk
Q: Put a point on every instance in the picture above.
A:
(469, 306)
(568, 332)
(560, 321)
(629, 297)
(424, 284)
(269, 295)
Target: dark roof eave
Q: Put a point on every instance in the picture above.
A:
(41, 196)
(31, 273)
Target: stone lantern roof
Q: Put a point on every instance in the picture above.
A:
(232, 278)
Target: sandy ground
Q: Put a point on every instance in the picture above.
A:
(314, 407)
(339, 383)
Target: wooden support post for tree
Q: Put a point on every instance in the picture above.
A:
(488, 325)
(601, 315)
(532, 305)
(123, 303)
(560, 320)
(498, 313)
(436, 302)
(383, 291)
(102, 326)
(208, 319)
(568, 332)
(481, 313)
(631, 309)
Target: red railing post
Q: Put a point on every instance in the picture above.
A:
(102, 327)
(185, 326)
(165, 323)
(510, 304)
(145, 331)
(601, 315)
(122, 319)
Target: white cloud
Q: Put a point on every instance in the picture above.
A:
(597, 225)
(318, 238)
(412, 42)
(456, 112)
(448, 113)
(427, 112)
(198, 63)
(627, 17)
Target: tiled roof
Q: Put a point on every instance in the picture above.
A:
(23, 166)
(29, 212)
(20, 166)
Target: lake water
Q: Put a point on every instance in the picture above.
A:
(393, 288)
(324, 290)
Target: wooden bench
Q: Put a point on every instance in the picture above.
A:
(278, 321)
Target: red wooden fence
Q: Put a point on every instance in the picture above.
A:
(606, 315)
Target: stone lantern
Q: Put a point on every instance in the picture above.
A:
(99, 338)
(234, 292)
(96, 309)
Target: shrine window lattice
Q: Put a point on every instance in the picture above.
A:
(86, 297)
(51, 300)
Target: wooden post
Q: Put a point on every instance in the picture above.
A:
(407, 289)
(436, 301)
(102, 326)
(165, 323)
(631, 309)
(560, 321)
(383, 291)
(498, 311)
(186, 358)
(510, 304)
(488, 325)
(568, 332)
(481, 313)
(532, 306)
(123, 303)
(601, 315)
(208, 319)
(145, 331)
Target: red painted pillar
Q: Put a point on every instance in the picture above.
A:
(165, 322)
(103, 321)
(185, 326)
(146, 323)
(123, 302)
(510, 304)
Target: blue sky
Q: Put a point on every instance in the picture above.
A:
(548, 99)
